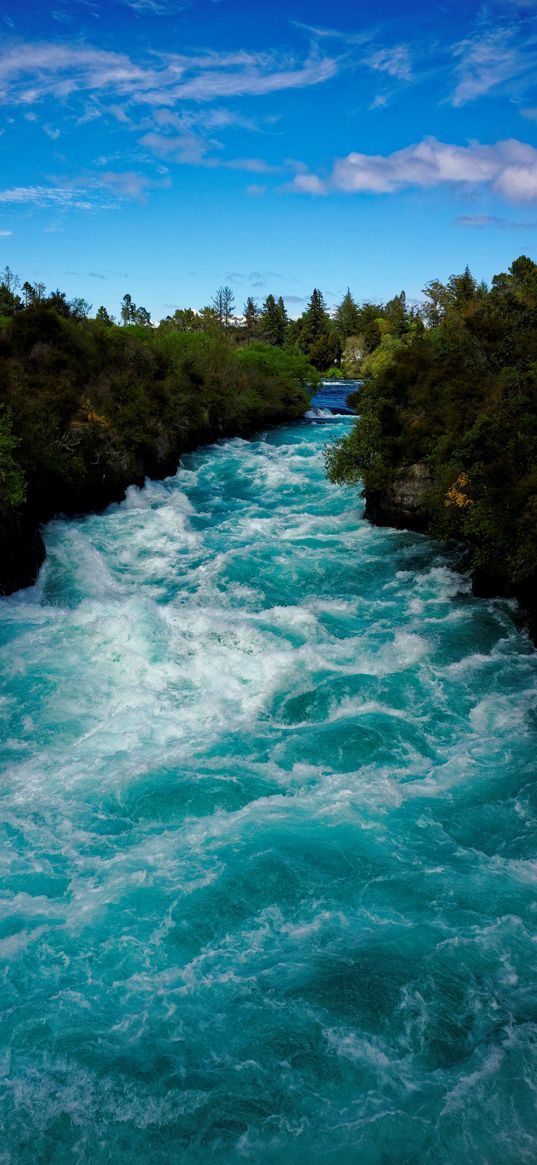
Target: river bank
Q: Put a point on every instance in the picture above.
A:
(88, 410)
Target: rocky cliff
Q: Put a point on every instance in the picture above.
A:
(403, 505)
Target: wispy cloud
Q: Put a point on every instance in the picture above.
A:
(194, 149)
(185, 149)
(394, 61)
(41, 196)
(484, 221)
(492, 61)
(380, 101)
(158, 7)
(29, 73)
(5, 234)
(509, 168)
(129, 184)
(102, 192)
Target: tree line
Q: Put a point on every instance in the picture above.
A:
(334, 342)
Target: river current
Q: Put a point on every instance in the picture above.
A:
(269, 818)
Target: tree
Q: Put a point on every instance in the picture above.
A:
(209, 320)
(273, 321)
(224, 305)
(128, 309)
(11, 281)
(184, 319)
(438, 301)
(312, 324)
(80, 308)
(251, 318)
(10, 303)
(103, 317)
(346, 317)
(58, 302)
(284, 319)
(28, 292)
(396, 313)
(326, 351)
(462, 288)
(142, 316)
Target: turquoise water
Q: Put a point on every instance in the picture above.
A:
(268, 835)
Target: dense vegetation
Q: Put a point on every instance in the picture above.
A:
(87, 407)
(454, 390)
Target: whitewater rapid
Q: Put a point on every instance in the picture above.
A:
(268, 858)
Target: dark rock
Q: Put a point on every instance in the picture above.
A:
(21, 550)
(403, 504)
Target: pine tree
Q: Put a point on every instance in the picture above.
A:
(103, 317)
(128, 309)
(284, 321)
(347, 317)
(314, 322)
(251, 318)
(396, 313)
(273, 321)
(224, 305)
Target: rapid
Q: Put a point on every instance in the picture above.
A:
(268, 834)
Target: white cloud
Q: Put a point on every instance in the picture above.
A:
(92, 194)
(193, 149)
(44, 196)
(186, 148)
(310, 184)
(5, 234)
(394, 61)
(128, 184)
(29, 73)
(495, 60)
(509, 168)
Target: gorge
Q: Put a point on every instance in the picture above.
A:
(269, 825)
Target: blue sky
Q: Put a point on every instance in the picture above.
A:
(166, 147)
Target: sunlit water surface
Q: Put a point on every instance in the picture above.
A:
(268, 835)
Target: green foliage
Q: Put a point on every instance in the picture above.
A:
(251, 319)
(272, 322)
(461, 396)
(12, 483)
(93, 407)
(350, 458)
(347, 317)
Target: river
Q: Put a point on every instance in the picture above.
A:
(268, 835)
